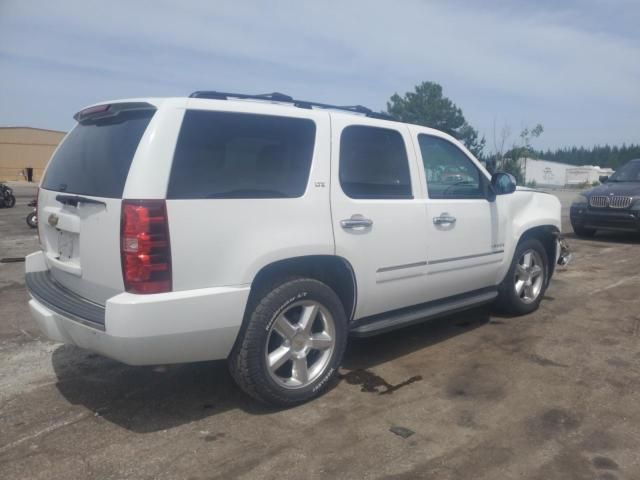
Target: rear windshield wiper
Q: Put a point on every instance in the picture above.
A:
(74, 200)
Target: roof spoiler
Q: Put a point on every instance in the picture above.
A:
(109, 110)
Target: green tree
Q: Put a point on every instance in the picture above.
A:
(429, 107)
(524, 149)
(602, 155)
(510, 161)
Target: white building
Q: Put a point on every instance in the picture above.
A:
(586, 174)
(546, 173)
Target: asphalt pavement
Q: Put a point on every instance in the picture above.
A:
(551, 395)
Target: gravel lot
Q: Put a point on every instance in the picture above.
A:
(551, 395)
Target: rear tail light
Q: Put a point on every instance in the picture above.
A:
(145, 247)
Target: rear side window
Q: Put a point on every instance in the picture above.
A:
(95, 157)
(240, 155)
(373, 163)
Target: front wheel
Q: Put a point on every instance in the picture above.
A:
(526, 281)
(292, 343)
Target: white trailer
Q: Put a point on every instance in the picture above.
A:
(554, 174)
(544, 172)
(586, 174)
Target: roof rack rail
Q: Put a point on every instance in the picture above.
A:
(281, 97)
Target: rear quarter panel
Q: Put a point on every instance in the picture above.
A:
(225, 242)
(149, 173)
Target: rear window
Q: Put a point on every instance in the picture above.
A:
(95, 157)
(240, 155)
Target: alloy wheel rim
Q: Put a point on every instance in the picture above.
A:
(300, 344)
(529, 277)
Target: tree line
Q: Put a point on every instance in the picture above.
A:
(602, 155)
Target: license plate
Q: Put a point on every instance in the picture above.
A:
(65, 245)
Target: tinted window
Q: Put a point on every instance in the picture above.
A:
(95, 157)
(239, 155)
(373, 163)
(450, 173)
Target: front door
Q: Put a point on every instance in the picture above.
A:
(378, 217)
(465, 230)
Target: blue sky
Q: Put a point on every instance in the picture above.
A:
(573, 66)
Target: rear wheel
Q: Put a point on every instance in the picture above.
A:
(584, 232)
(292, 344)
(32, 220)
(526, 281)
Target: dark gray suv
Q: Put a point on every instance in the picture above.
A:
(614, 205)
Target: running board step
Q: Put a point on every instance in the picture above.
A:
(385, 322)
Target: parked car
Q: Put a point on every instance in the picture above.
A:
(613, 205)
(264, 230)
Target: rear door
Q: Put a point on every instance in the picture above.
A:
(378, 216)
(80, 198)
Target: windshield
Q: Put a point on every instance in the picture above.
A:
(628, 173)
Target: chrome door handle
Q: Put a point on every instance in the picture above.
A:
(444, 219)
(356, 221)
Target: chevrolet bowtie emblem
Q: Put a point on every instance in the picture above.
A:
(53, 219)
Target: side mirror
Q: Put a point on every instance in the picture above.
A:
(503, 183)
(604, 178)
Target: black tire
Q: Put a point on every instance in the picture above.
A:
(9, 201)
(509, 300)
(584, 232)
(248, 359)
(32, 220)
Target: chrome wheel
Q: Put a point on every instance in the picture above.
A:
(529, 277)
(300, 344)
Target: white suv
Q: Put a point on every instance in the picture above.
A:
(265, 230)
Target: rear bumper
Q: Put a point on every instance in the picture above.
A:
(55, 297)
(173, 327)
(624, 220)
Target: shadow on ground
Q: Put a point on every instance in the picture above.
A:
(367, 353)
(149, 399)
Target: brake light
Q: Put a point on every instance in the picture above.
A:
(144, 246)
(88, 112)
